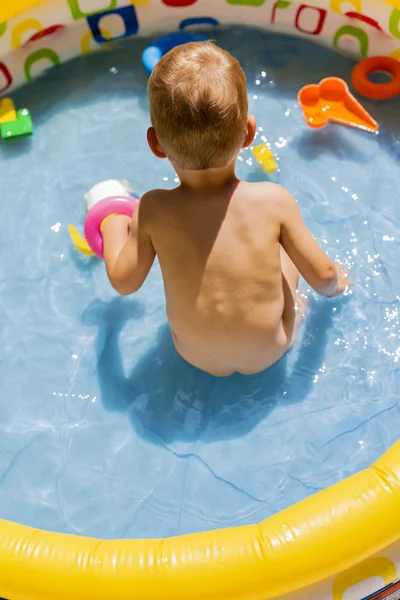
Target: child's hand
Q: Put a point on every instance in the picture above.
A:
(342, 281)
(128, 249)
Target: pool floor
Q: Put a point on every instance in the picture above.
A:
(104, 430)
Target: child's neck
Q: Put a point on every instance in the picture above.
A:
(207, 178)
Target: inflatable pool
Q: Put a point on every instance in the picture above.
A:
(35, 35)
(328, 546)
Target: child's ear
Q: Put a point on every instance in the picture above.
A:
(250, 131)
(154, 144)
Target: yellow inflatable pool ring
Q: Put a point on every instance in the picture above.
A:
(341, 544)
(317, 539)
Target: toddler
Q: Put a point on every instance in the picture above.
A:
(230, 251)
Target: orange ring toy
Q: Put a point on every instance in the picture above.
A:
(377, 91)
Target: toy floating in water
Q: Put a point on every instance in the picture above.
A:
(7, 110)
(377, 91)
(331, 100)
(111, 197)
(79, 241)
(12, 123)
(163, 44)
(20, 126)
(265, 158)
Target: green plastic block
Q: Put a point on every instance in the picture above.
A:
(22, 126)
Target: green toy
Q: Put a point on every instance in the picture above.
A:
(21, 127)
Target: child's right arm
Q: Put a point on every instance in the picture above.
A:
(128, 249)
(321, 273)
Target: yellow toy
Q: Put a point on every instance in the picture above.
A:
(79, 241)
(265, 158)
(7, 111)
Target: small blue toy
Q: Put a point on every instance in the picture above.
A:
(164, 44)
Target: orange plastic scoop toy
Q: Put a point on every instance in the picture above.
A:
(331, 100)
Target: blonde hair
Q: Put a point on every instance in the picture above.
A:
(198, 105)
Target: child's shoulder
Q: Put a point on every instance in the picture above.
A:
(265, 188)
(154, 207)
(154, 196)
(266, 194)
(153, 200)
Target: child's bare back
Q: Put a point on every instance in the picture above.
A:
(220, 258)
(230, 251)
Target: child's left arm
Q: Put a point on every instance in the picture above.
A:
(128, 251)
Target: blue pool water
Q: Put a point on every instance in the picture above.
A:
(104, 429)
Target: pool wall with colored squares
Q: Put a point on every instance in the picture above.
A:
(46, 34)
